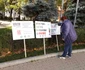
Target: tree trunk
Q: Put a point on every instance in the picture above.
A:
(19, 13)
(11, 13)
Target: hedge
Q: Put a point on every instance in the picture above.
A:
(7, 45)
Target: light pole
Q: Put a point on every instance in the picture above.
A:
(62, 7)
(77, 5)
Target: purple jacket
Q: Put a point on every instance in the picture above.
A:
(68, 31)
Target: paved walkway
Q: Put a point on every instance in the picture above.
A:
(77, 62)
(4, 24)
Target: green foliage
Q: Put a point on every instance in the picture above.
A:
(20, 56)
(12, 57)
(33, 45)
(41, 10)
(59, 2)
(36, 53)
(2, 8)
(5, 39)
(81, 35)
(71, 10)
(14, 5)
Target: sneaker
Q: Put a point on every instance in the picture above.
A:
(61, 57)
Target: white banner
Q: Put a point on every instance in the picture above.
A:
(55, 29)
(22, 30)
(43, 29)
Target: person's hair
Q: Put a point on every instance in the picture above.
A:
(63, 18)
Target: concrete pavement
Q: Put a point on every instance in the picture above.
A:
(4, 24)
(77, 62)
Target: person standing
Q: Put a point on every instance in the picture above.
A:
(68, 36)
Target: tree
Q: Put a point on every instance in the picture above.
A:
(66, 3)
(2, 5)
(70, 12)
(30, 1)
(15, 5)
(41, 10)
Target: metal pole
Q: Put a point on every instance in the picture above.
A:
(44, 46)
(57, 43)
(25, 48)
(76, 12)
(62, 7)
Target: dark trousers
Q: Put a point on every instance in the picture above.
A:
(67, 49)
